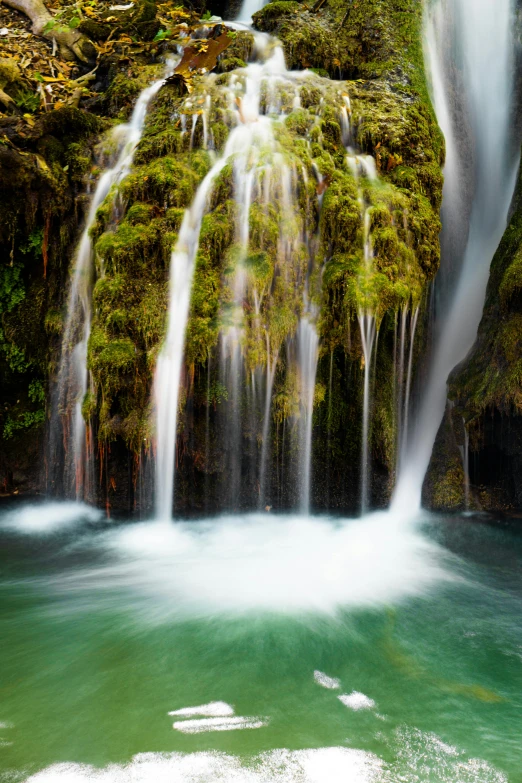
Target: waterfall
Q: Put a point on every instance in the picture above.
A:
(482, 54)
(68, 423)
(308, 349)
(368, 332)
(264, 305)
(250, 142)
(170, 360)
(270, 375)
(403, 393)
(248, 9)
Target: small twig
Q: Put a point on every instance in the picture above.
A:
(317, 6)
(88, 77)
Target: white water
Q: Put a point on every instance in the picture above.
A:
(267, 417)
(321, 765)
(308, 348)
(356, 701)
(205, 725)
(419, 753)
(214, 709)
(256, 103)
(330, 683)
(483, 40)
(73, 376)
(248, 9)
(256, 563)
(48, 518)
(170, 360)
(368, 333)
(252, 132)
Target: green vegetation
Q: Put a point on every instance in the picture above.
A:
(491, 376)
(374, 60)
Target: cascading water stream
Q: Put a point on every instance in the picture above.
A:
(368, 332)
(308, 348)
(256, 100)
(270, 375)
(170, 360)
(248, 9)
(77, 471)
(252, 135)
(481, 32)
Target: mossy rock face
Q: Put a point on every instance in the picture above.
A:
(39, 174)
(270, 17)
(491, 375)
(319, 244)
(390, 119)
(486, 388)
(96, 31)
(72, 124)
(139, 21)
(444, 485)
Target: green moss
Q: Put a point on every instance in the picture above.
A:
(53, 321)
(217, 233)
(299, 122)
(270, 15)
(169, 180)
(139, 214)
(511, 286)
(125, 88)
(378, 49)
(165, 142)
(491, 375)
(229, 64)
(71, 124)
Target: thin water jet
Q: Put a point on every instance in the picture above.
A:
(76, 472)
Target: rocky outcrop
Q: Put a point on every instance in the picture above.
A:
(370, 51)
(486, 394)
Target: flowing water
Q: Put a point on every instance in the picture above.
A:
(259, 648)
(268, 179)
(475, 39)
(73, 475)
(255, 649)
(255, 102)
(308, 347)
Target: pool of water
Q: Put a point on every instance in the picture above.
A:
(258, 648)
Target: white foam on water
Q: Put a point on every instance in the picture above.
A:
(357, 701)
(202, 725)
(322, 765)
(325, 681)
(47, 518)
(235, 565)
(423, 756)
(419, 757)
(216, 709)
